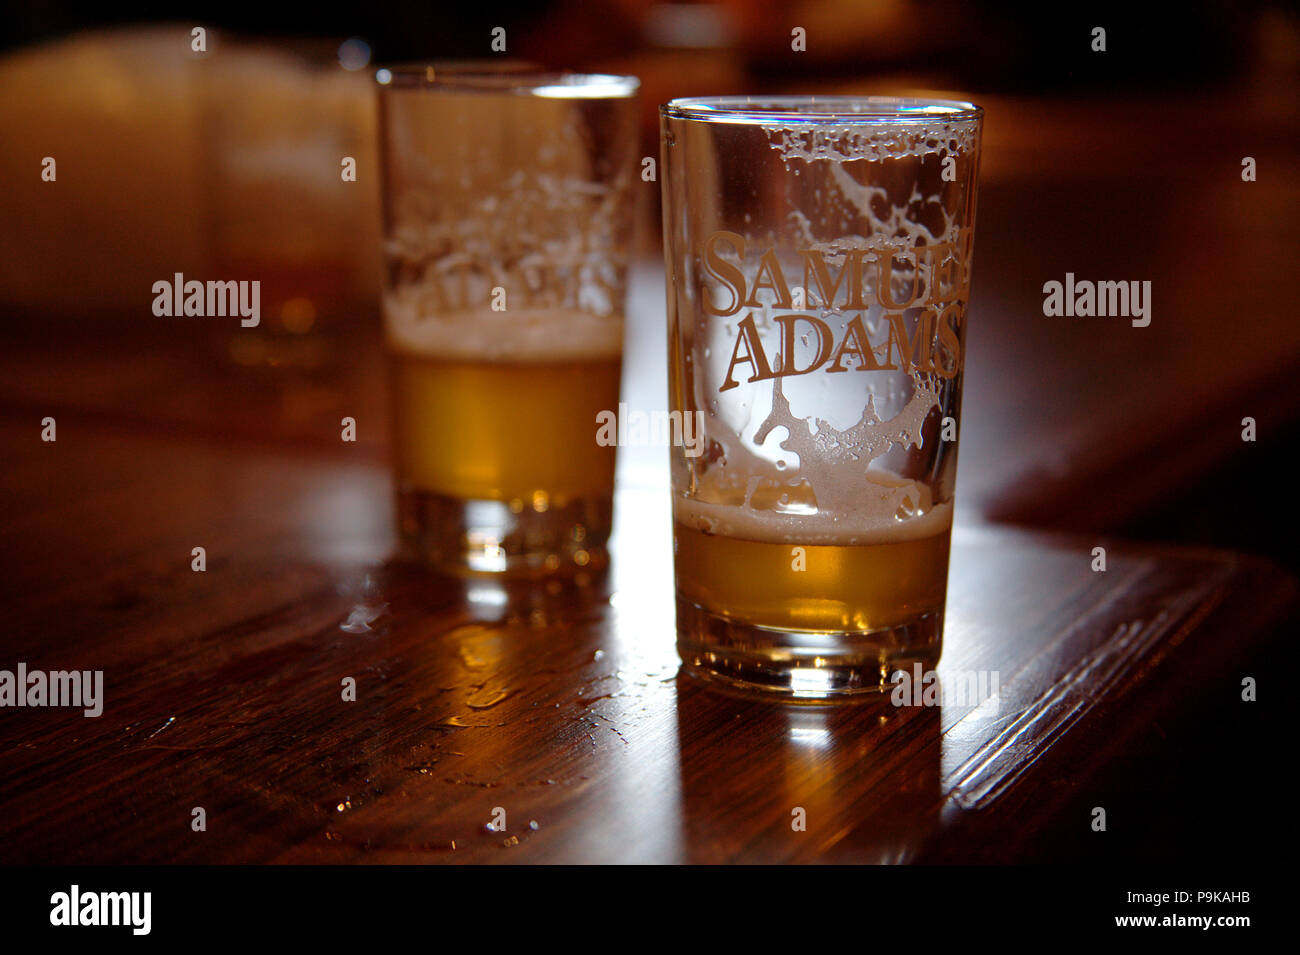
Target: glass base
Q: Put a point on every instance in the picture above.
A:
(802, 666)
(470, 537)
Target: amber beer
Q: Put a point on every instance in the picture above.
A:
(507, 201)
(501, 411)
(820, 327)
(463, 432)
(872, 585)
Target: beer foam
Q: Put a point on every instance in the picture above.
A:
(532, 335)
(856, 502)
(869, 526)
(834, 495)
(840, 146)
(871, 142)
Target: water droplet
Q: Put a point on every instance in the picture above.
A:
(486, 698)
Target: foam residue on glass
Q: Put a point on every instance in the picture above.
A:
(792, 474)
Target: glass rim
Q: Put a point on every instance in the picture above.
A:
(518, 78)
(836, 109)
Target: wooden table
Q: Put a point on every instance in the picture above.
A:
(1118, 689)
(565, 709)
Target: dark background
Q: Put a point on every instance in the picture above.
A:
(1117, 165)
(1017, 46)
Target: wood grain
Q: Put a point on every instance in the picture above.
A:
(564, 708)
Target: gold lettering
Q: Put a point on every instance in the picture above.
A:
(855, 343)
(885, 276)
(728, 274)
(816, 271)
(949, 341)
(824, 342)
(769, 265)
(754, 356)
(911, 352)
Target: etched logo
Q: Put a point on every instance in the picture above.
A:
(910, 303)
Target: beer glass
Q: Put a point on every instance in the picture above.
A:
(819, 255)
(507, 227)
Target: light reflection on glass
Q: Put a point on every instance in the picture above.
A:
(809, 682)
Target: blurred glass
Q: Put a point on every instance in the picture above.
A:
(291, 185)
(507, 221)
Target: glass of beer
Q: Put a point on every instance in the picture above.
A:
(507, 199)
(819, 263)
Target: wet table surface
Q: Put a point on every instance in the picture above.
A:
(224, 688)
(561, 708)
